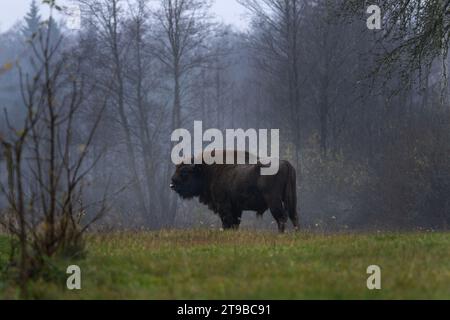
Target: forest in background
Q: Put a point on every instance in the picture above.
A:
(364, 114)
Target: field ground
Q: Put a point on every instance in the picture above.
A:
(206, 264)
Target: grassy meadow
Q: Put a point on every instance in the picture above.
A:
(206, 264)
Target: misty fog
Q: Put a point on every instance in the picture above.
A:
(363, 118)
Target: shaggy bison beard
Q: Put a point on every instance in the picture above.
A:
(228, 190)
(187, 181)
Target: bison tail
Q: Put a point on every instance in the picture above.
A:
(290, 196)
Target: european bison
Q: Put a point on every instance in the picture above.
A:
(228, 190)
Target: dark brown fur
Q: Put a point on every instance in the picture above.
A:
(228, 190)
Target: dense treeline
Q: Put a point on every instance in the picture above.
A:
(369, 142)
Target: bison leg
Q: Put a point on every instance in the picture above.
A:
(295, 222)
(281, 223)
(279, 214)
(231, 220)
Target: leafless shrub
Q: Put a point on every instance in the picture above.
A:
(46, 163)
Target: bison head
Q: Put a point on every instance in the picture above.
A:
(187, 181)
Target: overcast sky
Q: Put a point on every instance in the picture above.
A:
(229, 11)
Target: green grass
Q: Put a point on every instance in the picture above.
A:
(253, 265)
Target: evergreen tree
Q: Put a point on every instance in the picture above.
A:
(33, 22)
(55, 31)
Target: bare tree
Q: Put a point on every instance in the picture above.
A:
(276, 40)
(47, 163)
(415, 33)
(109, 18)
(180, 45)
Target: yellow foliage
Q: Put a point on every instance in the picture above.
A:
(6, 67)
